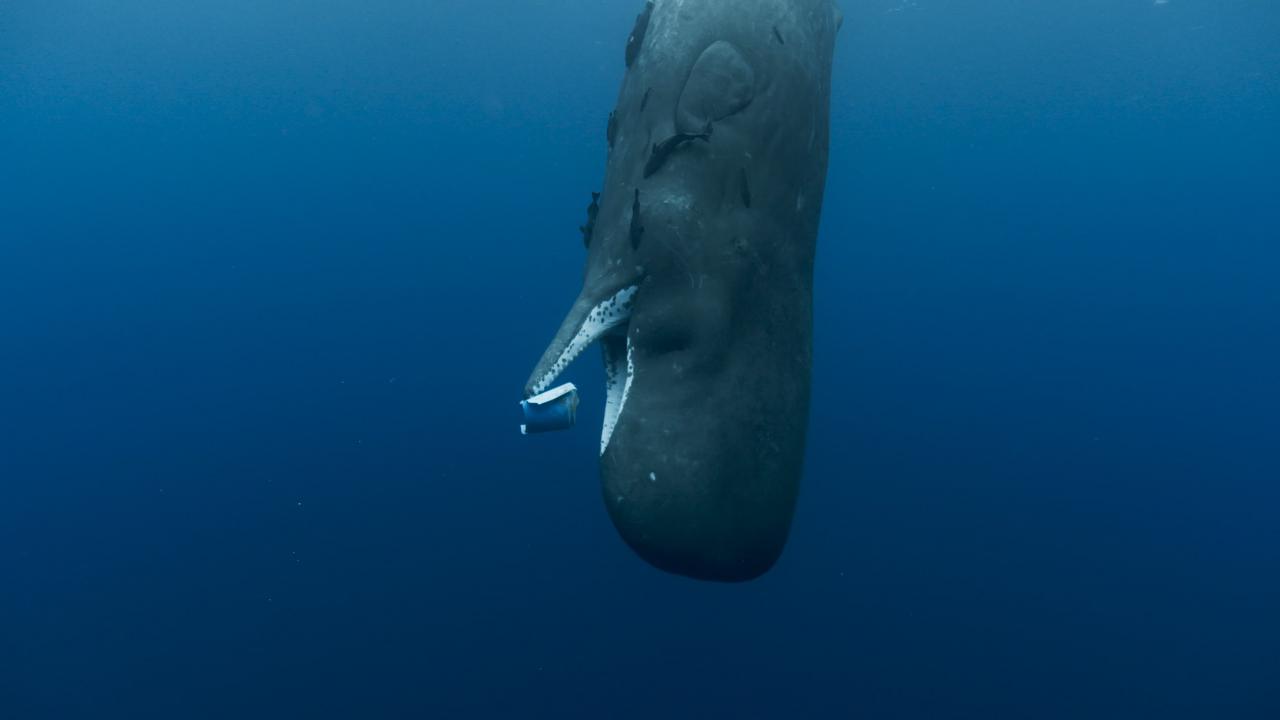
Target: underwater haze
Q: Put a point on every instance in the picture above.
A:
(273, 274)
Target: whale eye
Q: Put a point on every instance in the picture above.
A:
(720, 84)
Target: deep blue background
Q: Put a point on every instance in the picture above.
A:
(272, 275)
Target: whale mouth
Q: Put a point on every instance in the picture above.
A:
(607, 322)
(619, 369)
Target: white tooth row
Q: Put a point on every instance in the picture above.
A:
(617, 388)
(604, 317)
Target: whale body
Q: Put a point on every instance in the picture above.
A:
(698, 279)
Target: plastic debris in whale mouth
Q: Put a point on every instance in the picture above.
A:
(555, 409)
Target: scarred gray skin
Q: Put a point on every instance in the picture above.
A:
(701, 473)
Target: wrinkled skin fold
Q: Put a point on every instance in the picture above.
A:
(698, 281)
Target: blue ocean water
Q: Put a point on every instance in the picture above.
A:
(272, 275)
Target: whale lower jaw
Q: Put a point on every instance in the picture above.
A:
(619, 369)
(606, 322)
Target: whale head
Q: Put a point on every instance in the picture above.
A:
(698, 279)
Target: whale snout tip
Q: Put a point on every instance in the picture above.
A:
(731, 563)
(683, 537)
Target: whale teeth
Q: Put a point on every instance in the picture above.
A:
(603, 317)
